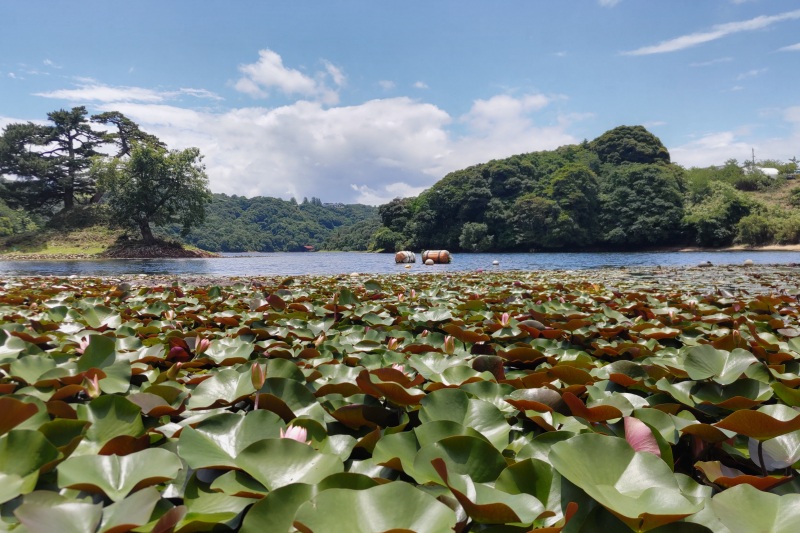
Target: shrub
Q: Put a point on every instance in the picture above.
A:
(755, 230)
(788, 230)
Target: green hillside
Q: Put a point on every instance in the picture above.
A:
(617, 192)
(264, 224)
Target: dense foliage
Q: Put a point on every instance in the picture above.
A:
(263, 224)
(481, 402)
(154, 186)
(59, 167)
(619, 191)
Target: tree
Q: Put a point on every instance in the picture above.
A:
(51, 162)
(629, 144)
(127, 132)
(714, 218)
(156, 186)
(575, 189)
(475, 237)
(642, 205)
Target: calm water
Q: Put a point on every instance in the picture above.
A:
(265, 264)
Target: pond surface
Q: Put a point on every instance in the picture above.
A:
(328, 263)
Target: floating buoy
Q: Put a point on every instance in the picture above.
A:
(429, 262)
(408, 266)
(495, 262)
(437, 256)
(748, 262)
(705, 264)
(405, 257)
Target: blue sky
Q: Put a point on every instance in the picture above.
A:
(364, 100)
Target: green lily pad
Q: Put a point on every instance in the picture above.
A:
(390, 507)
(216, 441)
(45, 512)
(117, 476)
(279, 462)
(744, 509)
(637, 487)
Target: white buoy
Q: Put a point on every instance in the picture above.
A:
(429, 262)
(495, 262)
(748, 262)
(408, 266)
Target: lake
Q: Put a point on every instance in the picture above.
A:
(324, 263)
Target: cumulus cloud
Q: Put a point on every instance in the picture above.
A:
(420, 85)
(716, 32)
(269, 73)
(368, 153)
(717, 147)
(608, 3)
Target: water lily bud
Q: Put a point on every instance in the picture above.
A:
(319, 340)
(392, 344)
(92, 386)
(172, 372)
(504, 320)
(169, 315)
(202, 345)
(399, 368)
(258, 375)
(401, 297)
(449, 345)
(298, 433)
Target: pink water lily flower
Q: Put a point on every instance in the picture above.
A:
(392, 344)
(82, 345)
(298, 433)
(504, 318)
(202, 345)
(399, 368)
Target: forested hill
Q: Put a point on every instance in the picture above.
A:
(619, 191)
(263, 224)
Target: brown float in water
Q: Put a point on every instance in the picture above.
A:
(437, 256)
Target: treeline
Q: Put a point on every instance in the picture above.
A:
(264, 224)
(619, 191)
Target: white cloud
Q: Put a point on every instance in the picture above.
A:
(711, 62)
(370, 153)
(269, 73)
(97, 92)
(386, 85)
(104, 93)
(710, 149)
(608, 3)
(751, 73)
(336, 73)
(716, 32)
(791, 48)
(420, 85)
(716, 148)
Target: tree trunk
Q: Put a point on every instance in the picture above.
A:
(147, 234)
